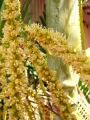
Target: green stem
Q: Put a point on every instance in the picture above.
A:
(2, 22)
(81, 24)
(4, 112)
(42, 86)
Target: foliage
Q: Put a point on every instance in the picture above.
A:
(27, 16)
(84, 1)
(2, 6)
(84, 88)
(43, 16)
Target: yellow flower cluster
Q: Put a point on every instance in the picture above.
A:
(12, 70)
(14, 50)
(12, 10)
(49, 76)
(56, 44)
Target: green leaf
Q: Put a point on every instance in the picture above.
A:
(27, 16)
(2, 22)
(80, 83)
(43, 21)
(84, 88)
(1, 2)
(44, 15)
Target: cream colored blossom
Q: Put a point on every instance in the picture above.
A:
(15, 89)
(69, 55)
